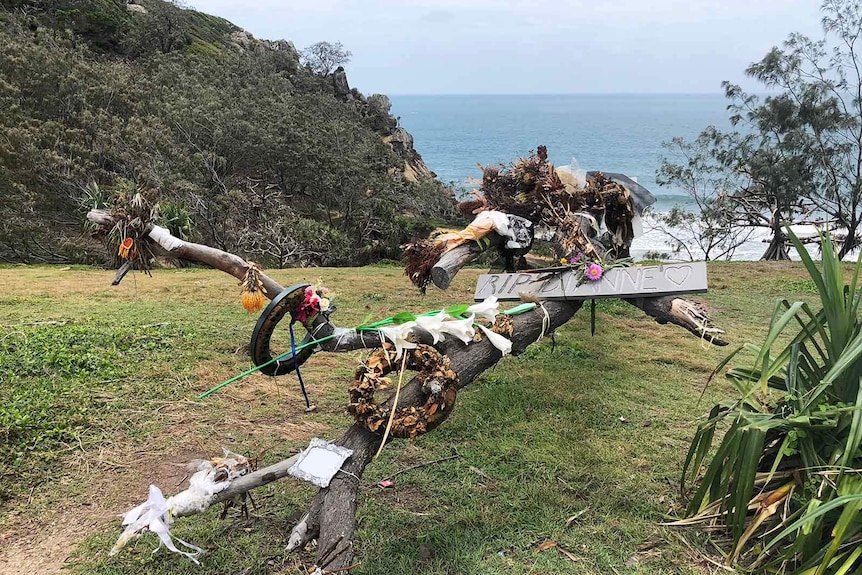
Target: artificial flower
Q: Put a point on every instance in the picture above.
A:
(153, 515)
(324, 303)
(157, 513)
(502, 343)
(460, 328)
(486, 309)
(252, 300)
(433, 324)
(593, 272)
(309, 306)
(397, 334)
(127, 249)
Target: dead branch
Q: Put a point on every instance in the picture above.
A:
(181, 249)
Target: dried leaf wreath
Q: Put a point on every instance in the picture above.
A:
(439, 382)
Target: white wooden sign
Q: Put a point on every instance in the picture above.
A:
(635, 281)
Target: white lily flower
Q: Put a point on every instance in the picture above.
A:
(504, 344)
(433, 324)
(487, 309)
(397, 334)
(460, 328)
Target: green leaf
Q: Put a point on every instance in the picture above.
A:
(854, 437)
(457, 310)
(809, 518)
(403, 317)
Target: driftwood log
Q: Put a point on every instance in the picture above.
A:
(331, 517)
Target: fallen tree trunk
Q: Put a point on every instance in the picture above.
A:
(331, 515)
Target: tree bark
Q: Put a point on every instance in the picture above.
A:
(177, 248)
(331, 516)
(777, 249)
(451, 262)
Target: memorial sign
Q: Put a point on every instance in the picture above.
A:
(635, 281)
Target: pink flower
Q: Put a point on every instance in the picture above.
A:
(576, 258)
(311, 297)
(309, 307)
(593, 272)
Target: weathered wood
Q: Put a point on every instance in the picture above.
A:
(451, 262)
(468, 361)
(687, 314)
(640, 281)
(121, 273)
(177, 248)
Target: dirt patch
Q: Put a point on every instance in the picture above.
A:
(37, 537)
(41, 545)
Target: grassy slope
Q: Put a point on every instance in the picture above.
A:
(596, 427)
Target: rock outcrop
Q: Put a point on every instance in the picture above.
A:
(133, 6)
(339, 83)
(415, 169)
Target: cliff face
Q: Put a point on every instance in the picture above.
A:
(377, 106)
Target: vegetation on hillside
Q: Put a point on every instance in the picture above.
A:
(254, 152)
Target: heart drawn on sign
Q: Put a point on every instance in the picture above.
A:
(677, 274)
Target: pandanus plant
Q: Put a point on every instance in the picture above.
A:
(785, 481)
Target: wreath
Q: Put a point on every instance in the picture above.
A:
(438, 380)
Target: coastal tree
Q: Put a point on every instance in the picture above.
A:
(795, 156)
(708, 229)
(324, 57)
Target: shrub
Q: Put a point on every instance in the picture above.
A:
(786, 479)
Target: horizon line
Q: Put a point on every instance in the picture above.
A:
(570, 94)
(556, 93)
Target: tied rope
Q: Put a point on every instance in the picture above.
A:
(298, 373)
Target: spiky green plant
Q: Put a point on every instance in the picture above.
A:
(176, 219)
(786, 479)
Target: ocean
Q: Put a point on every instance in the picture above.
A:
(614, 133)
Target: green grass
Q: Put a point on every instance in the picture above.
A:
(596, 427)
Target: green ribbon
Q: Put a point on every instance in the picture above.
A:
(517, 310)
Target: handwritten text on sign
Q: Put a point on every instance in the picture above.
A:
(643, 281)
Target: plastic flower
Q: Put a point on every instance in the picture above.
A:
(127, 249)
(252, 300)
(153, 515)
(397, 334)
(502, 343)
(593, 272)
(309, 307)
(487, 309)
(460, 328)
(433, 324)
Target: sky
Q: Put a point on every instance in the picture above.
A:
(533, 46)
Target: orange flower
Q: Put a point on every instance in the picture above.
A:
(128, 249)
(252, 300)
